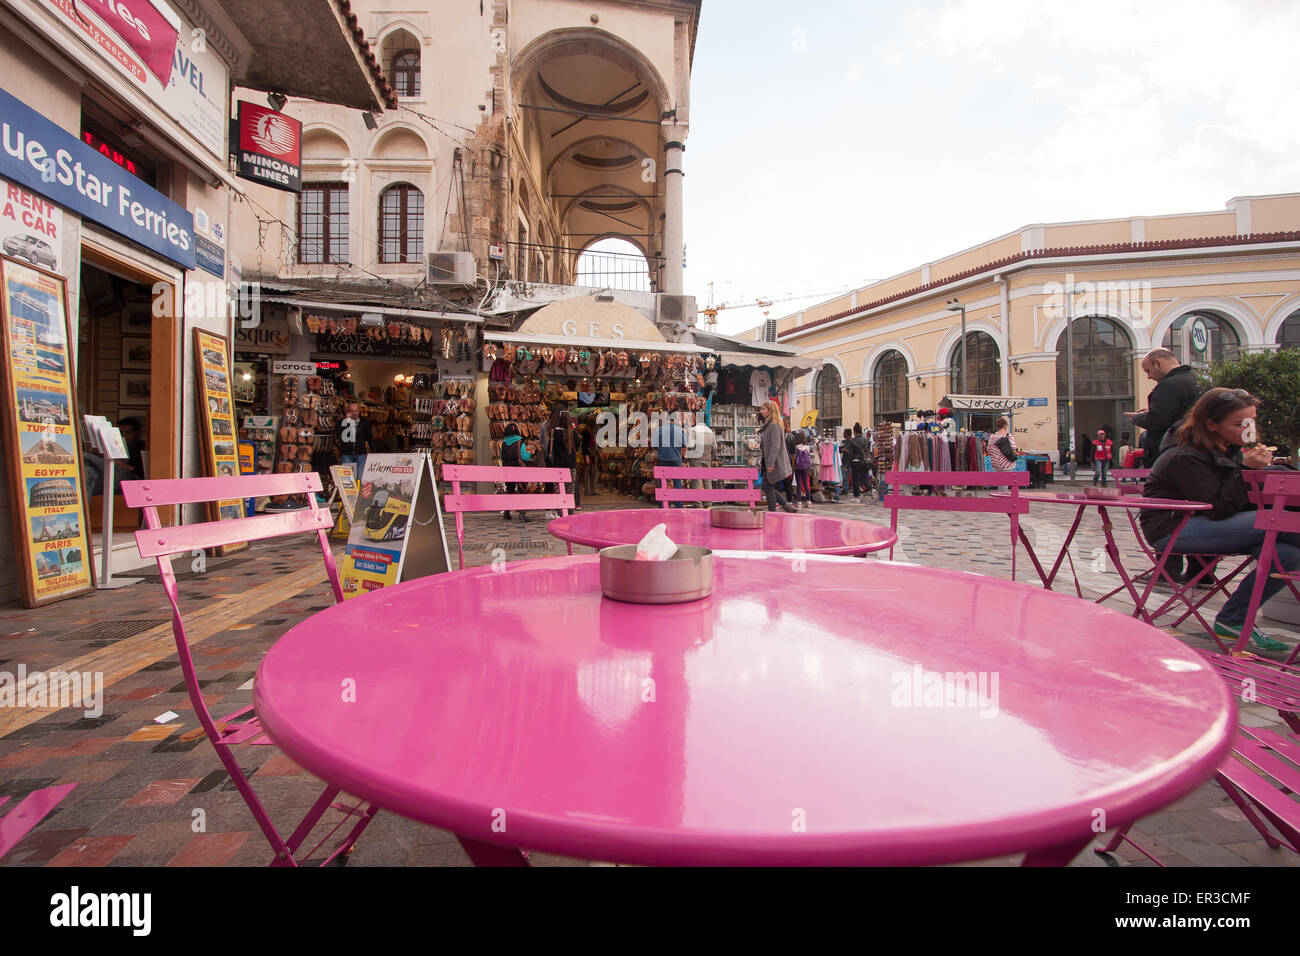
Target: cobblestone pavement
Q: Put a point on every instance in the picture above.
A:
(139, 784)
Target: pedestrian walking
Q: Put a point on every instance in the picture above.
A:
(776, 461)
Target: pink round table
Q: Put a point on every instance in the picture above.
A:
(813, 534)
(1131, 503)
(820, 717)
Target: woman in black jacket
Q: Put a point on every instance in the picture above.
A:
(1206, 466)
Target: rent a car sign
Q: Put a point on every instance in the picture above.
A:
(31, 227)
(52, 162)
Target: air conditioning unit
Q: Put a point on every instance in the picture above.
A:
(675, 312)
(770, 329)
(451, 268)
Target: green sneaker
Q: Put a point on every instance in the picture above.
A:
(1257, 636)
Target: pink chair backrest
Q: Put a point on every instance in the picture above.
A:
(1281, 490)
(1014, 505)
(161, 543)
(666, 473)
(1130, 474)
(459, 503)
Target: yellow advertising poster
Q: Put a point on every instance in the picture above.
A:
(42, 447)
(380, 523)
(345, 481)
(216, 412)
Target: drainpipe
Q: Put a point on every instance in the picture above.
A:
(1001, 280)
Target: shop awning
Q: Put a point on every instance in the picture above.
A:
(800, 363)
(518, 338)
(349, 308)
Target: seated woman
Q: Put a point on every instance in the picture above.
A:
(1206, 465)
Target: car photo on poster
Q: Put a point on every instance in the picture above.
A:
(387, 516)
(32, 248)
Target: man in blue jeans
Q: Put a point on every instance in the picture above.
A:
(668, 439)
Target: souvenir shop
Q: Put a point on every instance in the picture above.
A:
(411, 373)
(623, 366)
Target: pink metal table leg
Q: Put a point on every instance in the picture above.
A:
(492, 854)
(1064, 554)
(28, 812)
(1140, 604)
(1055, 855)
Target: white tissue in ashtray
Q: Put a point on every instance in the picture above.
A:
(656, 545)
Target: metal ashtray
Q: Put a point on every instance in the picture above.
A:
(747, 518)
(686, 576)
(1103, 493)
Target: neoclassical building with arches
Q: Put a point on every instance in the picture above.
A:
(1125, 286)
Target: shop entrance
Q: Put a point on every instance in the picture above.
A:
(127, 373)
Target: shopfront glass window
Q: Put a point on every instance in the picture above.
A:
(1288, 336)
(1103, 363)
(1225, 343)
(401, 224)
(890, 397)
(323, 222)
(829, 398)
(984, 376)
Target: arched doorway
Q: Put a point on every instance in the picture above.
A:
(1288, 333)
(889, 399)
(1103, 384)
(983, 376)
(829, 399)
(1225, 342)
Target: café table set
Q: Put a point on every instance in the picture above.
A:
(811, 708)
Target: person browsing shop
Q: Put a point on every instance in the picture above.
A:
(776, 461)
(514, 455)
(563, 452)
(354, 438)
(1214, 443)
(1002, 447)
(668, 439)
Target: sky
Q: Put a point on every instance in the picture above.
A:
(833, 143)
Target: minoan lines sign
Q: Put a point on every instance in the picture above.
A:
(270, 147)
(49, 160)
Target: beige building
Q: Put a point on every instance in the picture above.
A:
(1137, 283)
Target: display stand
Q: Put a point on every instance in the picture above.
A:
(107, 440)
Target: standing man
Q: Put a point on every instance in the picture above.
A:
(1175, 393)
(859, 461)
(668, 440)
(699, 454)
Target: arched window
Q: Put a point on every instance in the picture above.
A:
(1288, 334)
(401, 224)
(984, 376)
(890, 398)
(401, 58)
(1103, 366)
(1225, 343)
(829, 398)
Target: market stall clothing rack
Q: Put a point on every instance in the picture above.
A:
(459, 503)
(667, 473)
(241, 726)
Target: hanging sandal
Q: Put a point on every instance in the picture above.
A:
(1257, 637)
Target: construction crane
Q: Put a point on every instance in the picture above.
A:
(711, 311)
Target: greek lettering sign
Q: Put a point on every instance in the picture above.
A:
(270, 147)
(986, 403)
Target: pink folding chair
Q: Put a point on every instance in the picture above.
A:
(1013, 506)
(27, 812)
(240, 727)
(667, 473)
(458, 503)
